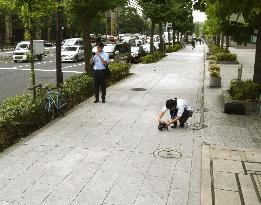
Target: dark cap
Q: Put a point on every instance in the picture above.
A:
(171, 103)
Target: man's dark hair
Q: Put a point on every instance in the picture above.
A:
(171, 103)
(100, 44)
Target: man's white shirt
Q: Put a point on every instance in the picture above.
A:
(181, 105)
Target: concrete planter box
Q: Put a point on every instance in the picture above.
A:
(227, 62)
(214, 82)
(250, 107)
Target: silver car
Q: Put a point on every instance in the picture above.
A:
(72, 53)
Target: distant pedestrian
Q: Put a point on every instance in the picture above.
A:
(193, 43)
(179, 111)
(100, 59)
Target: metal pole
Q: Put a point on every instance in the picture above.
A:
(59, 74)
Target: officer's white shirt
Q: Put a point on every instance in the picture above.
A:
(98, 65)
(181, 105)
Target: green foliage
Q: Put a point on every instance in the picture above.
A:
(174, 48)
(151, 58)
(212, 57)
(226, 56)
(244, 90)
(214, 70)
(212, 62)
(131, 21)
(20, 113)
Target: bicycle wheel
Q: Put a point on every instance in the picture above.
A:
(50, 110)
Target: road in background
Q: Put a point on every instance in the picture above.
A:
(15, 77)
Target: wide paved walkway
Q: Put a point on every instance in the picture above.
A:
(113, 153)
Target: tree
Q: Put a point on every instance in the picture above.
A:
(85, 12)
(131, 22)
(158, 12)
(251, 12)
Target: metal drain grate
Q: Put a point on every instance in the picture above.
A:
(138, 89)
(167, 153)
(198, 126)
(199, 109)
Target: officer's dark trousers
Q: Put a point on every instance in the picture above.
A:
(183, 118)
(99, 81)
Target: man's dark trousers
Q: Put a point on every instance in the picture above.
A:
(100, 81)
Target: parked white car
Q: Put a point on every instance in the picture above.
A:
(72, 53)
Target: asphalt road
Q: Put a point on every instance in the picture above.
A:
(15, 77)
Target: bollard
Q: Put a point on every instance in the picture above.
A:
(239, 76)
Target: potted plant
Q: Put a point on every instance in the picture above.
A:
(215, 79)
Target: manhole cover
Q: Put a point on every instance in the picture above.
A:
(138, 89)
(198, 126)
(200, 109)
(167, 153)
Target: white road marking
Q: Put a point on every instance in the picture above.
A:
(26, 65)
(38, 63)
(20, 66)
(14, 68)
(71, 71)
(74, 65)
(44, 62)
(50, 61)
(38, 69)
(70, 66)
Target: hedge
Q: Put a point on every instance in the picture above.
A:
(151, 58)
(245, 90)
(20, 115)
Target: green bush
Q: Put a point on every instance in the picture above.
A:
(170, 49)
(20, 114)
(226, 56)
(244, 90)
(119, 71)
(212, 58)
(151, 58)
(214, 70)
(212, 62)
(213, 49)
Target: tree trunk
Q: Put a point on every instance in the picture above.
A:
(174, 37)
(218, 39)
(31, 32)
(114, 23)
(222, 40)
(48, 28)
(161, 39)
(8, 28)
(87, 44)
(59, 73)
(257, 66)
(151, 36)
(227, 43)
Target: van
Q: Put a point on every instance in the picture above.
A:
(22, 50)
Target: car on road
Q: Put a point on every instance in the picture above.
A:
(146, 48)
(49, 48)
(72, 53)
(117, 52)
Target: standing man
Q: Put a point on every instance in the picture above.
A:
(179, 111)
(100, 59)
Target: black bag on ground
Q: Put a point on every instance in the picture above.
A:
(235, 108)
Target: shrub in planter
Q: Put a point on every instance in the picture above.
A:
(215, 79)
(20, 115)
(244, 90)
(118, 71)
(212, 62)
(77, 88)
(212, 57)
(151, 58)
(214, 67)
(174, 48)
(226, 56)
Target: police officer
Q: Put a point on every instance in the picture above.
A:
(179, 111)
(100, 60)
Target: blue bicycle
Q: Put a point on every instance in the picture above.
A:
(55, 101)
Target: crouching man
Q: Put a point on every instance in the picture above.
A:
(179, 111)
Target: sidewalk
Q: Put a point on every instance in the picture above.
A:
(112, 153)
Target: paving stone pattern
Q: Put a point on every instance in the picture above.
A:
(105, 153)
